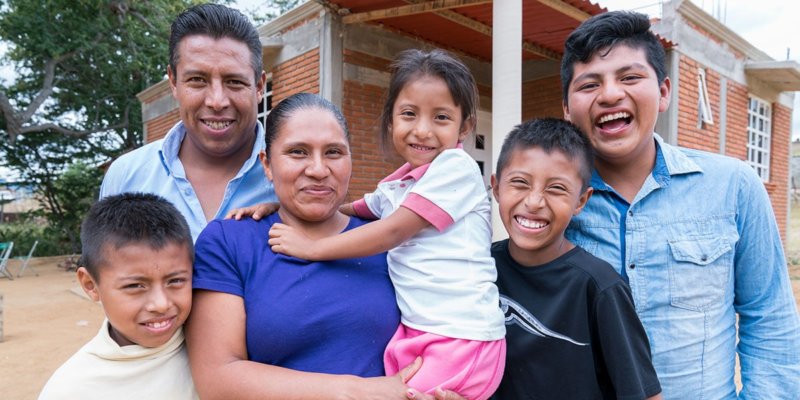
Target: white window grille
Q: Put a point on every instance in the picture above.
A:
(759, 131)
(266, 103)
(703, 101)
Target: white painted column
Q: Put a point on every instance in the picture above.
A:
(506, 83)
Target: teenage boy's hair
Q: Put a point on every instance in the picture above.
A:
(550, 134)
(131, 218)
(604, 31)
(216, 21)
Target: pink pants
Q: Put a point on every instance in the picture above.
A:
(470, 368)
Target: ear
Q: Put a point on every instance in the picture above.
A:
(466, 128)
(565, 107)
(582, 200)
(173, 82)
(495, 190)
(262, 155)
(664, 90)
(261, 85)
(88, 284)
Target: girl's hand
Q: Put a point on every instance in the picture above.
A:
(255, 212)
(384, 387)
(287, 240)
(439, 394)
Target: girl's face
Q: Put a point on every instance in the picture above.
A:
(309, 164)
(426, 121)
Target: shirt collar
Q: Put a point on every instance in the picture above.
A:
(407, 172)
(171, 146)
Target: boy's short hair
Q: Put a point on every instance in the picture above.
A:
(604, 31)
(131, 218)
(550, 134)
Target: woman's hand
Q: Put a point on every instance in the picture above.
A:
(290, 241)
(439, 394)
(255, 212)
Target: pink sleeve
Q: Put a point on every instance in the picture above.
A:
(428, 211)
(362, 210)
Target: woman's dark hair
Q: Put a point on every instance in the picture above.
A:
(131, 218)
(414, 64)
(550, 134)
(300, 101)
(604, 31)
(216, 21)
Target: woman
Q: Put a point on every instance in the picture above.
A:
(264, 325)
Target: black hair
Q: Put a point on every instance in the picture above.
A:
(130, 218)
(550, 134)
(413, 64)
(299, 101)
(601, 33)
(216, 21)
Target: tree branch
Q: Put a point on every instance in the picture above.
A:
(69, 132)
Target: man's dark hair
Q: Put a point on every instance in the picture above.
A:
(550, 134)
(299, 101)
(604, 31)
(416, 64)
(130, 218)
(216, 21)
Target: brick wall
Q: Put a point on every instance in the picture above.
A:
(300, 74)
(736, 129)
(780, 164)
(158, 127)
(542, 98)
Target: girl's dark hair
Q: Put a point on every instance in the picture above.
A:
(549, 134)
(130, 218)
(604, 31)
(216, 21)
(413, 64)
(300, 101)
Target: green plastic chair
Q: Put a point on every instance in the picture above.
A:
(5, 254)
(25, 261)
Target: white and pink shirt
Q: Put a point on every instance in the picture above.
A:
(444, 275)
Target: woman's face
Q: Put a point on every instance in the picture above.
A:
(309, 164)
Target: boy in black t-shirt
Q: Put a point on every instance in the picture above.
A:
(572, 330)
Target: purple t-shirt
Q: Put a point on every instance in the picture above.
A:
(331, 317)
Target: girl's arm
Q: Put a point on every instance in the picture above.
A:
(215, 340)
(372, 238)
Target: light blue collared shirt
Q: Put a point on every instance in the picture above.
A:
(155, 168)
(700, 246)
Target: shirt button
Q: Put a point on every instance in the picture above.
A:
(704, 258)
(187, 192)
(630, 213)
(632, 266)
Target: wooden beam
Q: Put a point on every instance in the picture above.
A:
(566, 9)
(411, 9)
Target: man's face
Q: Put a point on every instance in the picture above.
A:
(215, 86)
(146, 294)
(615, 99)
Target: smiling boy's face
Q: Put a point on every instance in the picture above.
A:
(615, 99)
(537, 194)
(146, 294)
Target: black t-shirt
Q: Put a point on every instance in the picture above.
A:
(572, 331)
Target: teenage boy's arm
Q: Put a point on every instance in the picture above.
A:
(375, 237)
(215, 340)
(769, 326)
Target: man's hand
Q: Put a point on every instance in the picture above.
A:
(287, 240)
(255, 212)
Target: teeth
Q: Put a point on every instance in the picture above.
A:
(530, 224)
(611, 117)
(217, 124)
(419, 147)
(158, 325)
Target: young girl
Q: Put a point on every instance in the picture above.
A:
(435, 224)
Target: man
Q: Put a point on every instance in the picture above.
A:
(208, 162)
(692, 232)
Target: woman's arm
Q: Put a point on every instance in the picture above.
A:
(372, 238)
(215, 340)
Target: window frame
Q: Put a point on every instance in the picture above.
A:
(704, 111)
(265, 106)
(759, 136)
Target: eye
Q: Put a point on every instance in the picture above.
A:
(335, 152)
(631, 78)
(557, 188)
(177, 281)
(407, 113)
(587, 86)
(133, 286)
(237, 83)
(195, 79)
(296, 152)
(442, 117)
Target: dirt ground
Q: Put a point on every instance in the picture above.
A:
(46, 318)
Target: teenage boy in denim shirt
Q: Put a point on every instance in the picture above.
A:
(692, 232)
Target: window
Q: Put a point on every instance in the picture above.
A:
(703, 102)
(266, 103)
(759, 130)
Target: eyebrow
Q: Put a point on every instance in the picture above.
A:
(594, 75)
(196, 72)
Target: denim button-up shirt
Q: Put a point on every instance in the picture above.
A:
(155, 168)
(699, 245)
